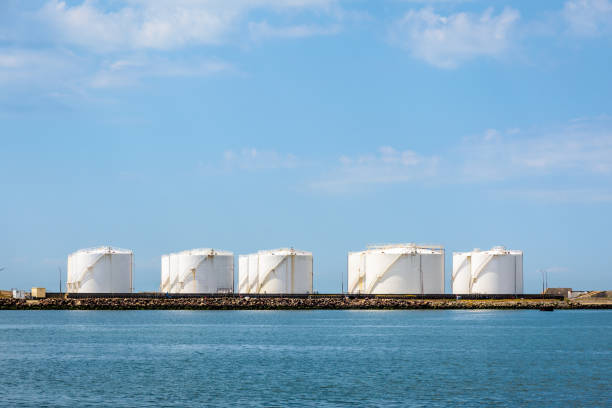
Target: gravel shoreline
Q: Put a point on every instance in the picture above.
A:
(321, 303)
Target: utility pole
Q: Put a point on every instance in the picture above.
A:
(59, 268)
(341, 281)
(544, 273)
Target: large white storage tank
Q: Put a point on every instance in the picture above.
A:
(100, 270)
(397, 269)
(277, 271)
(202, 270)
(496, 271)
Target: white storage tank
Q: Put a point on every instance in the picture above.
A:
(100, 270)
(496, 271)
(397, 269)
(277, 271)
(203, 270)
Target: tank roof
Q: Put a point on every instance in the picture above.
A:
(402, 249)
(280, 251)
(404, 245)
(104, 250)
(202, 251)
(496, 250)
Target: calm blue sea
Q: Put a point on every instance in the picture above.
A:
(305, 358)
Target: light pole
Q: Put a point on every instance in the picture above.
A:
(544, 273)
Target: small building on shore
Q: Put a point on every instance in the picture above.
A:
(565, 292)
(39, 293)
(19, 294)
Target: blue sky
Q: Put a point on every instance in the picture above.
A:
(320, 124)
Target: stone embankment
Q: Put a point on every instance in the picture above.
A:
(246, 303)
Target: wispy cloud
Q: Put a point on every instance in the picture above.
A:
(37, 66)
(130, 71)
(588, 17)
(387, 166)
(256, 159)
(154, 24)
(556, 195)
(570, 163)
(447, 41)
(582, 147)
(94, 44)
(451, 38)
(64, 73)
(83, 44)
(262, 30)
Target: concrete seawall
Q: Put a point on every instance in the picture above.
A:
(283, 303)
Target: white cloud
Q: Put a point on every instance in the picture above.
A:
(588, 17)
(156, 24)
(95, 44)
(131, 71)
(387, 166)
(64, 73)
(570, 164)
(37, 67)
(558, 195)
(582, 148)
(256, 159)
(263, 30)
(448, 41)
(148, 25)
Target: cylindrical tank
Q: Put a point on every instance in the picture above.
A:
(202, 270)
(397, 269)
(496, 271)
(277, 271)
(100, 270)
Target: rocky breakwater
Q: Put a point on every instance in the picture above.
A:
(282, 303)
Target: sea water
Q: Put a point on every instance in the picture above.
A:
(305, 358)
